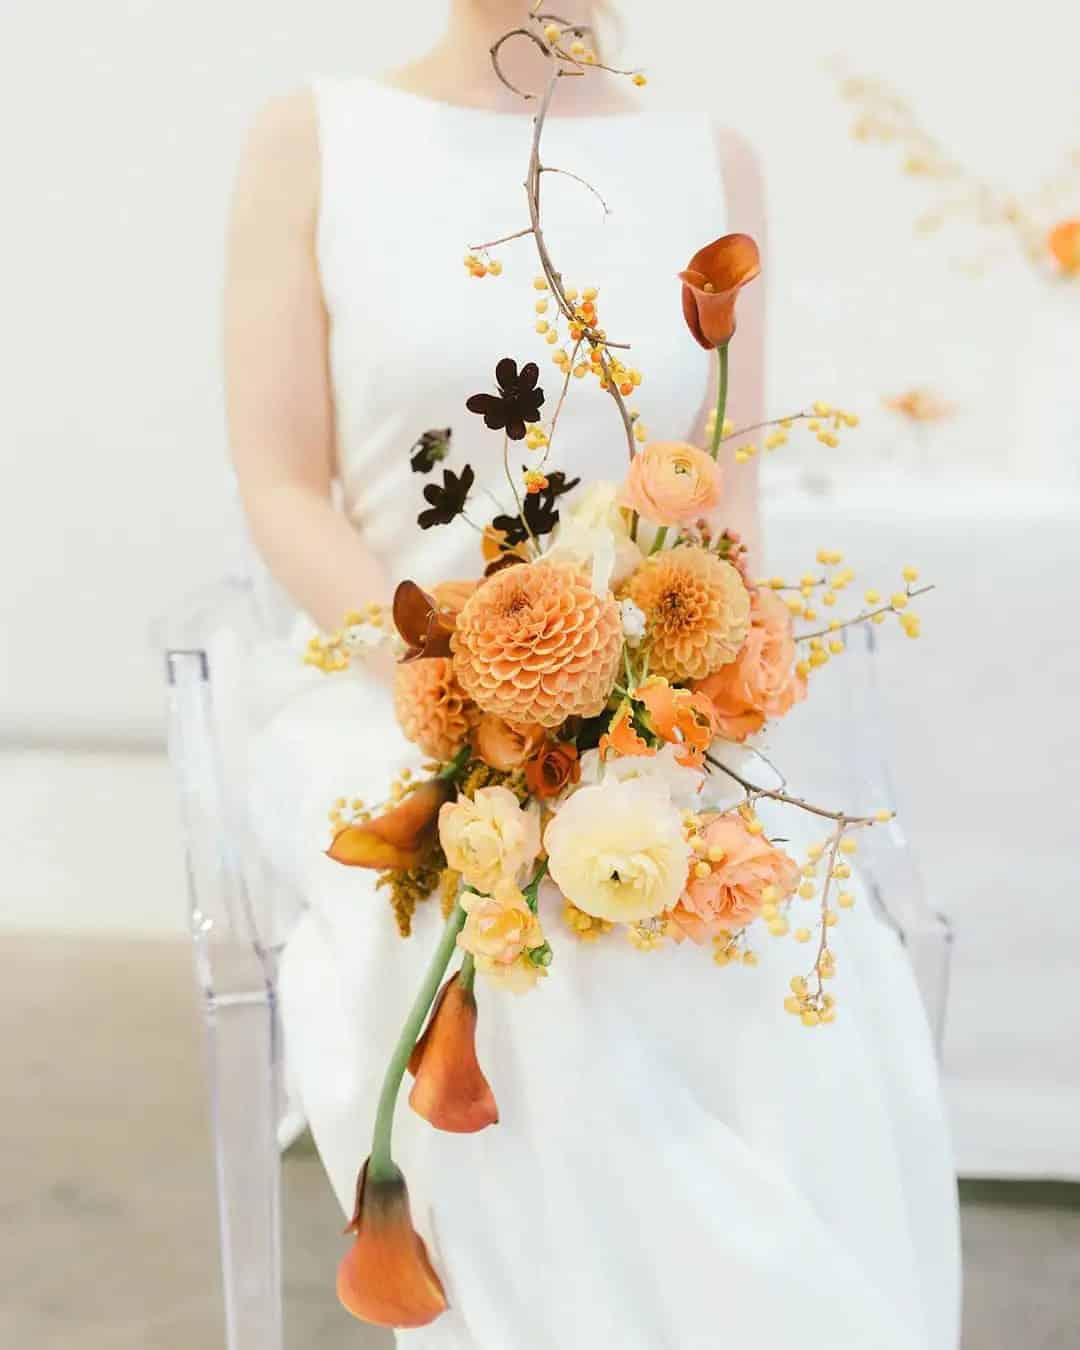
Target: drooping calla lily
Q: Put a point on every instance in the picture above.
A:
(1064, 243)
(386, 1276)
(401, 838)
(424, 626)
(711, 284)
(451, 1091)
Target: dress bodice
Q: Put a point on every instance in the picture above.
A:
(408, 186)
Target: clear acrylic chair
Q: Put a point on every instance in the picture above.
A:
(241, 914)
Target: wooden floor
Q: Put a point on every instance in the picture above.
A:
(106, 1213)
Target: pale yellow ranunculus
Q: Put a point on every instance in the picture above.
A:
(618, 850)
(490, 839)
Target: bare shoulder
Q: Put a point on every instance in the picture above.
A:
(279, 164)
(744, 183)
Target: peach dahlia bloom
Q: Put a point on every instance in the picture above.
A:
(697, 608)
(536, 644)
(670, 483)
(431, 708)
(762, 681)
(732, 895)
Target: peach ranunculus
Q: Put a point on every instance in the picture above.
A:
(386, 1277)
(1063, 242)
(618, 851)
(490, 838)
(450, 1091)
(680, 717)
(743, 866)
(670, 483)
(711, 285)
(400, 838)
(503, 745)
(553, 768)
(762, 681)
(502, 934)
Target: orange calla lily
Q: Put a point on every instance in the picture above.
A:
(621, 736)
(401, 838)
(711, 285)
(680, 717)
(386, 1276)
(1064, 243)
(451, 1091)
(425, 628)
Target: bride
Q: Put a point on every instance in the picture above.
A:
(678, 1163)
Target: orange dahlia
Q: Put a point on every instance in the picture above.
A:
(697, 610)
(537, 644)
(431, 708)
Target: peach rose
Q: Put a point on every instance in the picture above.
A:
(732, 895)
(489, 839)
(762, 681)
(502, 933)
(504, 745)
(555, 767)
(670, 483)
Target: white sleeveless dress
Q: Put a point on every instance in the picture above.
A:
(678, 1164)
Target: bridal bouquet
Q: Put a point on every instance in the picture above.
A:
(579, 700)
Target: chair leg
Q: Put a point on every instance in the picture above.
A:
(244, 1065)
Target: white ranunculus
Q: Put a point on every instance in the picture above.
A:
(633, 621)
(595, 534)
(617, 850)
(682, 782)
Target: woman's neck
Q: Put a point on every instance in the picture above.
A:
(458, 68)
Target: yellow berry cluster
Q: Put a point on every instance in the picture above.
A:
(335, 652)
(729, 951)
(823, 420)
(647, 935)
(583, 925)
(535, 481)
(482, 265)
(810, 1007)
(355, 811)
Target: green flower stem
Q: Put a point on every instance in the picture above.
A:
(381, 1164)
(661, 533)
(721, 400)
(452, 768)
(467, 973)
(532, 890)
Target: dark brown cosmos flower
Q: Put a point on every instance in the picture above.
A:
(552, 769)
(386, 1276)
(401, 838)
(539, 514)
(432, 447)
(425, 628)
(517, 402)
(451, 1091)
(711, 285)
(447, 502)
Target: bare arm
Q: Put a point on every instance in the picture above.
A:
(278, 390)
(744, 191)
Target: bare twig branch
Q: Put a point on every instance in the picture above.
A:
(505, 239)
(547, 168)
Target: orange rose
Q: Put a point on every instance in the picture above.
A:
(762, 681)
(672, 484)
(503, 745)
(1064, 243)
(451, 1091)
(386, 1276)
(732, 895)
(400, 838)
(711, 285)
(552, 769)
